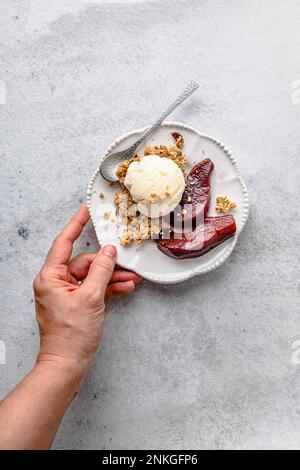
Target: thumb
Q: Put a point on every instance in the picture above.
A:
(100, 273)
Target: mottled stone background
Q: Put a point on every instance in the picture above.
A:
(204, 364)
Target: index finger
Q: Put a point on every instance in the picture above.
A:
(62, 247)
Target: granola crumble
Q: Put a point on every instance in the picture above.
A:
(223, 204)
(171, 152)
(178, 139)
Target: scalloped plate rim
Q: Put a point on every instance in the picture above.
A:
(197, 271)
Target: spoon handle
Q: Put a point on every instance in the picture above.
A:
(191, 88)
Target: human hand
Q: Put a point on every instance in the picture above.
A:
(70, 297)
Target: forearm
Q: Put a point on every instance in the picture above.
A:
(70, 296)
(30, 415)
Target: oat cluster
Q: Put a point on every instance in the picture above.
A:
(223, 204)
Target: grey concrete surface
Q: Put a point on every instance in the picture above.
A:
(205, 364)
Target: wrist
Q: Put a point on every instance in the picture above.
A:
(67, 368)
(65, 354)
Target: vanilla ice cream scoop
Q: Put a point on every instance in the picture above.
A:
(156, 184)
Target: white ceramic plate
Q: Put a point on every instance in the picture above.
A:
(146, 259)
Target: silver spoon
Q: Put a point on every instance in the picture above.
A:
(109, 164)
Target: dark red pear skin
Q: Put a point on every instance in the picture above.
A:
(208, 235)
(195, 199)
(197, 191)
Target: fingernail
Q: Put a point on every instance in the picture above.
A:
(110, 250)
